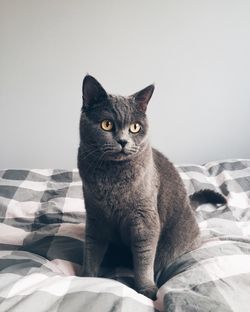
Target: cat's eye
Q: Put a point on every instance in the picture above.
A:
(135, 128)
(107, 125)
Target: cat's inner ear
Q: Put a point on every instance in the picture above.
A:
(142, 97)
(92, 92)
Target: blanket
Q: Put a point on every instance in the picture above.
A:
(42, 221)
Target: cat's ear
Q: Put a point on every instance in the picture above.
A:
(92, 92)
(142, 97)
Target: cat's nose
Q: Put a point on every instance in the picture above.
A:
(122, 142)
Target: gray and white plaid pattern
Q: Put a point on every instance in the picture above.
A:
(42, 221)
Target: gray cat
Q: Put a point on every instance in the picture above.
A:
(133, 195)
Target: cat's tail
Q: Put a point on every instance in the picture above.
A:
(206, 196)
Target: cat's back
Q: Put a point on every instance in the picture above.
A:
(166, 170)
(171, 193)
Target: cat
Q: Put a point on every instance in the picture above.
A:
(133, 194)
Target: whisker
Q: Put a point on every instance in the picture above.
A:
(99, 162)
(95, 162)
(89, 153)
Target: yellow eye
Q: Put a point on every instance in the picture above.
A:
(107, 125)
(134, 128)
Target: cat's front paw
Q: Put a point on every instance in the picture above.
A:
(149, 292)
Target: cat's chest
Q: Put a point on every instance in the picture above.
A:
(117, 193)
(117, 188)
(112, 188)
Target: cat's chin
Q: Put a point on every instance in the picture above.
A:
(121, 156)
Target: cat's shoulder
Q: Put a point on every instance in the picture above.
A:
(159, 157)
(162, 163)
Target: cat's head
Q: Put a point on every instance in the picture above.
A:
(113, 127)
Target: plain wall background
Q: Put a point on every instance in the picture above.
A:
(197, 53)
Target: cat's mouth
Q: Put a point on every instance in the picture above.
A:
(121, 154)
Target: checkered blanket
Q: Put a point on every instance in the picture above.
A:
(42, 221)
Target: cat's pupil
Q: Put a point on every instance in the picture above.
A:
(134, 128)
(106, 125)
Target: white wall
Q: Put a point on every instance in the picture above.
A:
(197, 52)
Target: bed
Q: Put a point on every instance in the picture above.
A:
(42, 222)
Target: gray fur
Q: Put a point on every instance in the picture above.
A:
(133, 196)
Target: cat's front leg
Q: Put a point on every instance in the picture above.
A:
(144, 239)
(94, 251)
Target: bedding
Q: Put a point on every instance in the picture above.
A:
(42, 221)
